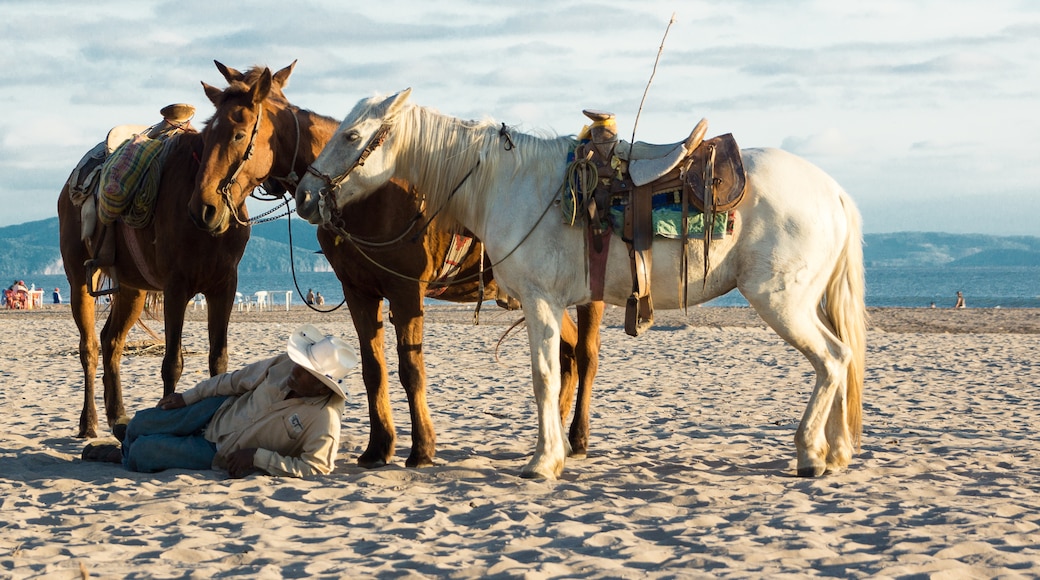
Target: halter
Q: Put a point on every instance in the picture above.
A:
(332, 183)
(291, 178)
(225, 189)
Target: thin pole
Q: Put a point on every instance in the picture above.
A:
(652, 73)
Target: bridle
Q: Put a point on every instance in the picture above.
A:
(332, 183)
(229, 182)
(225, 189)
(326, 198)
(327, 202)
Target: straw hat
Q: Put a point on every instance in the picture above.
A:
(327, 357)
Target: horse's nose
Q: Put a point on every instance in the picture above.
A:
(209, 213)
(305, 204)
(206, 218)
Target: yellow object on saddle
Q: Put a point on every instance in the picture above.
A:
(615, 184)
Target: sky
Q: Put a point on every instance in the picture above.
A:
(927, 112)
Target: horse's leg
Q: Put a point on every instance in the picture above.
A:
(587, 350)
(543, 332)
(568, 364)
(175, 302)
(799, 323)
(367, 314)
(126, 309)
(82, 305)
(408, 321)
(218, 306)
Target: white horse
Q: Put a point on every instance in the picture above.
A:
(795, 251)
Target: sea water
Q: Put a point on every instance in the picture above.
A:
(902, 287)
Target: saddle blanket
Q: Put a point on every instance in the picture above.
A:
(129, 181)
(457, 251)
(667, 222)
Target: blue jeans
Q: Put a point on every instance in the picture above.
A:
(158, 439)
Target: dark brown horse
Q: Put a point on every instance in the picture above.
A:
(378, 250)
(170, 255)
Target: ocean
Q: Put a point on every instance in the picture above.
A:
(901, 287)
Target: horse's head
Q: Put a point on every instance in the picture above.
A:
(354, 163)
(237, 155)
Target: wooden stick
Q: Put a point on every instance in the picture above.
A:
(652, 73)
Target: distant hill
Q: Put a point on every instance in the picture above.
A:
(939, 249)
(32, 248)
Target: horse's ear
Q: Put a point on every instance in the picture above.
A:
(395, 103)
(213, 93)
(281, 78)
(262, 87)
(230, 75)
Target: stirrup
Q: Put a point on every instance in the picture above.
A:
(95, 285)
(639, 315)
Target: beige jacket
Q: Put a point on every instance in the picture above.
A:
(295, 437)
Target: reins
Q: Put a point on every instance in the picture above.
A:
(327, 200)
(292, 264)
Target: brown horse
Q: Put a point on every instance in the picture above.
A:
(170, 255)
(378, 250)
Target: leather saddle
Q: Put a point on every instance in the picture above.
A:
(703, 175)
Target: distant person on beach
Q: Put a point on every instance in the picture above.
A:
(17, 295)
(960, 301)
(279, 416)
(319, 299)
(56, 296)
(310, 296)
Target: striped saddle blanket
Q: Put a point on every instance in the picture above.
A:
(129, 181)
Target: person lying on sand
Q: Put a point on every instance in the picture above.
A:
(280, 416)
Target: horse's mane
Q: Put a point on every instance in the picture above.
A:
(439, 151)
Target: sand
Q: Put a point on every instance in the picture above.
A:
(690, 472)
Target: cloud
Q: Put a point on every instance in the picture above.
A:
(879, 93)
(830, 142)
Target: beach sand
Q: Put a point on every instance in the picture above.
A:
(690, 472)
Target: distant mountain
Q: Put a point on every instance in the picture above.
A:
(939, 249)
(32, 248)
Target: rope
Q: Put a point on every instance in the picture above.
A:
(582, 178)
(292, 262)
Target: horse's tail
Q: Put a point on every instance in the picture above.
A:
(846, 309)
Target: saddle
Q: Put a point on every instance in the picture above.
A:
(705, 175)
(106, 183)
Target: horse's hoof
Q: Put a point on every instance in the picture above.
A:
(536, 471)
(371, 463)
(578, 454)
(119, 429)
(419, 463)
(811, 471)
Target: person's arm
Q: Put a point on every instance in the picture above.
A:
(237, 382)
(320, 447)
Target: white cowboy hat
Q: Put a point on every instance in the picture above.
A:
(326, 357)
